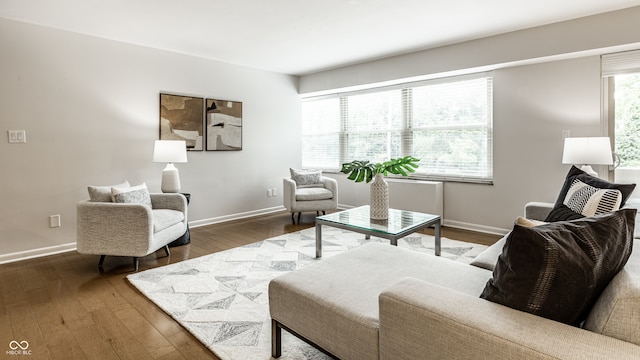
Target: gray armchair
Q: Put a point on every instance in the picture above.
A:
(321, 197)
(129, 229)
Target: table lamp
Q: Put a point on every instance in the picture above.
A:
(587, 151)
(170, 151)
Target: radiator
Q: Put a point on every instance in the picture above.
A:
(421, 196)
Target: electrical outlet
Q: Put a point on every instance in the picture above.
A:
(269, 192)
(54, 221)
(17, 136)
(274, 192)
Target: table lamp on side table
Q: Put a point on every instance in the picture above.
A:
(170, 151)
(587, 151)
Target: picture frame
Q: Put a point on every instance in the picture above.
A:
(182, 118)
(223, 120)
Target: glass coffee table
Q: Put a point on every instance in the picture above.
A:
(400, 224)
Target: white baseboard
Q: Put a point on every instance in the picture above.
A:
(237, 216)
(52, 250)
(475, 227)
(36, 253)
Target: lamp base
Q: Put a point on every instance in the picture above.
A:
(170, 179)
(589, 170)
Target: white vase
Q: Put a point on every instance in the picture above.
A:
(379, 199)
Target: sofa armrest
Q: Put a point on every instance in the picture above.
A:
(100, 224)
(536, 210)
(419, 320)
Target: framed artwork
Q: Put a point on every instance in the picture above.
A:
(224, 125)
(181, 118)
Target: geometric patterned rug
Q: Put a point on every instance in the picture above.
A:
(222, 298)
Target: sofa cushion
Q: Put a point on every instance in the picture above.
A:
(634, 203)
(346, 323)
(103, 193)
(617, 311)
(131, 195)
(488, 258)
(306, 178)
(562, 212)
(559, 270)
(164, 218)
(313, 194)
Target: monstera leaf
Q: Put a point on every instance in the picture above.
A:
(363, 170)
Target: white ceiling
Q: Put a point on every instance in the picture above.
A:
(298, 36)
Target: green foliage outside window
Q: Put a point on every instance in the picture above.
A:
(627, 113)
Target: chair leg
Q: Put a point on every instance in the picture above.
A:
(136, 263)
(300, 213)
(276, 339)
(101, 260)
(324, 212)
(166, 250)
(293, 219)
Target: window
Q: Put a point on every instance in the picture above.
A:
(446, 123)
(621, 73)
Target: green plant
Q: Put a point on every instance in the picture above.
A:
(359, 170)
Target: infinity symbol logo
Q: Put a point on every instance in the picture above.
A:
(23, 345)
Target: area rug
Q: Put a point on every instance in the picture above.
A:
(222, 298)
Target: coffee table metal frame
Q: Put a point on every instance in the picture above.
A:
(379, 228)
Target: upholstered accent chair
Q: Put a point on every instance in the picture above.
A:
(132, 228)
(308, 190)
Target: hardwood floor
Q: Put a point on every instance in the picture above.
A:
(65, 308)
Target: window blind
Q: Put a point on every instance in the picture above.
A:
(620, 63)
(446, 123)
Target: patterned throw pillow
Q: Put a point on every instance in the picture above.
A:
(561, 212)
(133, 195)
(589, 201)
(306, 178)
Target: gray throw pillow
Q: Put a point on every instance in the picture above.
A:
(103, 193)
(132, 195)
(306, 178)
(558, 270)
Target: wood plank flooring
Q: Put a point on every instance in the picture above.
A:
(65, 308)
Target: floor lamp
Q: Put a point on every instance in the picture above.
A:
(170, 151)
(587, 151)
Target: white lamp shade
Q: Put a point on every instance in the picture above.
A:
(170, 151)
(587, 151)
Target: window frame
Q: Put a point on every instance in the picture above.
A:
(407, 129)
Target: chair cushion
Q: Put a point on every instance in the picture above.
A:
(313, 194)
(164, 218)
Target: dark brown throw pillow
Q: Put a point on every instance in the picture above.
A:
(558, 270)
(561, 212)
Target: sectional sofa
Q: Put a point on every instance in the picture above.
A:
(384, 302)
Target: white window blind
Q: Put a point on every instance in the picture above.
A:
(620, 63)
(446, 123)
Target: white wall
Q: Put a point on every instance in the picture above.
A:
(546, 80)
(90, 110)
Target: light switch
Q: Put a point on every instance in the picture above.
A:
(17, 136)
